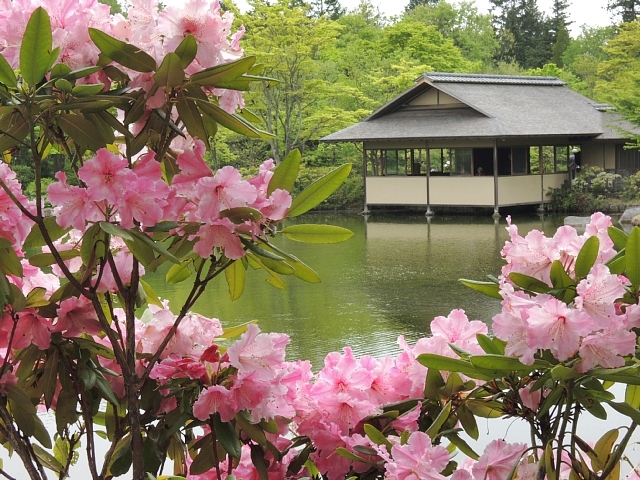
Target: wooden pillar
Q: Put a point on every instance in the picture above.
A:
(364, 178)
(541, 167)
(496, 202)
(428, 213)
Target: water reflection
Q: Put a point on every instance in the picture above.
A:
(393, 277)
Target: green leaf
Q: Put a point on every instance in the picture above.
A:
(187, 50)
(49, 378)
(490, 289)
(66, 409)
(626, 409)
(81, 130)
(468, 421)
(560, 372)
(316, 233)
(10, 263)
(632, 396)
(463, 446)
(40, 432)
(618, 237)
(227, 436)
(439, 362)
(93, 245)
(171, 73)
(191, 118)
(7, 75)
(22, 409)
(561, 280)
(47, 259)
(93, 347)
(63, 85)
(240, 215)
(233, 122)
(48, 460)
(343, 452)
(236, 331)
(500, 363)
(529, 283)
(225, 71)
(104, 388)
(152, 296)
(284, 176)
(86, 90)
(439, 421)
(303, 271)
(13, 130)
(481, 408)
(487, 344)
(55, 231)
(125, 54)
(235, 275)
(115, 230)
(319, 190)
(618, 264)
(587, 257)
(376, 436)
(632, 257)
(178, 273)
(159, 249)
(35, 49)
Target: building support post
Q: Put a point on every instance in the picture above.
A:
(364, 179)
(496, 203)
(541, 167)
(429, 212)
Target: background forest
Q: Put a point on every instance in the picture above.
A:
(334, 67)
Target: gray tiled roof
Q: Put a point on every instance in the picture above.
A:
(496, 106)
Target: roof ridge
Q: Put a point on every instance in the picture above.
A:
(443, 77)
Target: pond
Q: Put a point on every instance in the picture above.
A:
(392, 277)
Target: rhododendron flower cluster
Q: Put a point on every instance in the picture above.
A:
(139, 195)
(156, 31)
(589, 328)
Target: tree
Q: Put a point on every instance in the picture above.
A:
(559, 30)
(627, 10)
(584, 54)
(470, 30)
(331, 8)
(619, 82)
(416, 3)
(290, 42)
(523, 31)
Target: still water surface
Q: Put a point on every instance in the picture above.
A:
(392, 277)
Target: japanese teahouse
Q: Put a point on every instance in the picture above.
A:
(467, 140)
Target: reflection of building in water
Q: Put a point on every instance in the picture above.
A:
(490, 141)
(417, 265)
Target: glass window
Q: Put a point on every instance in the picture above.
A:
(440, 161)
(548, 159)
(374, 163)
(519, 157)
(461, 161)
(534, 160)
(562, 155)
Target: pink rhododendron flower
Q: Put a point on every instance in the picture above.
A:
(597, 294)
(215, 399)
(258, 352)
(77, 315)
(457, 329)
(606, 349)
(557, 327)
(107, 177)
(417, 460)
(498, 460)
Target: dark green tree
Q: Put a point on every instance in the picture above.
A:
(627, 10)
(559, 29)
(331, 8)
(523, 31)
(416, 3)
